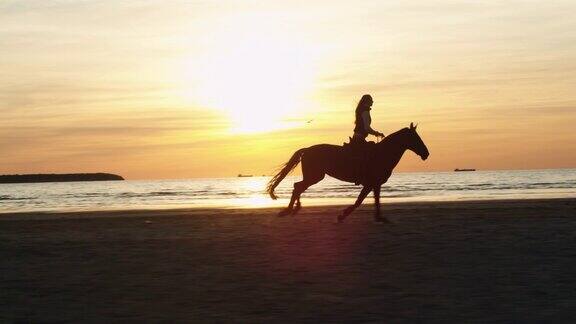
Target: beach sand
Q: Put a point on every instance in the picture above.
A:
(492, 261)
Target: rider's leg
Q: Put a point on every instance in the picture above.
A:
(359, 158)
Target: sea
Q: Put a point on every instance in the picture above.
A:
(248, 192)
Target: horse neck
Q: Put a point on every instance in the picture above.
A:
(392, 151)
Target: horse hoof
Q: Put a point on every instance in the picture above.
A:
(382, 220)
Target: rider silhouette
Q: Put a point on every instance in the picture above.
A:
(363, 121)
(359, 146)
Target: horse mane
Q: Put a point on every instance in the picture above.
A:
(394, 136)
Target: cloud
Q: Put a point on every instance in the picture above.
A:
(98, 81)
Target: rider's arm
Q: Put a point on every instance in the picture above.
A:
(367, 121)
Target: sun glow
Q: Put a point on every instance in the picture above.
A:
(256, 197)
(258, 75)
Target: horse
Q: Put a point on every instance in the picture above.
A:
(336, 161)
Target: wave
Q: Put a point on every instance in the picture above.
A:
(233, 191)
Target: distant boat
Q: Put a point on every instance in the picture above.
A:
(244, 175)
(460, 170)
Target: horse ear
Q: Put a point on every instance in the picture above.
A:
(415, 126)
(412, 126)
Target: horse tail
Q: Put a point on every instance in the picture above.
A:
(286, 169)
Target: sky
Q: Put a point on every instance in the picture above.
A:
(183, 89)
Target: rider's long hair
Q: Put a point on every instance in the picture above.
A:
(362, 103)
(360, 108)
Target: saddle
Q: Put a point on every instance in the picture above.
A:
(357, 147)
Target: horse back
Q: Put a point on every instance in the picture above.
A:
(329, 159)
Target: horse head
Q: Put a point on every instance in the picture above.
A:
(415, 143)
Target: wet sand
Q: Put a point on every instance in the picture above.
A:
(494, 261)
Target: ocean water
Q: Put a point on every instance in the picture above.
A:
(249, 192)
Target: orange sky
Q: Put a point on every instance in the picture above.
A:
(181, 89)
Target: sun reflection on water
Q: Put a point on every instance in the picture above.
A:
(257, 198)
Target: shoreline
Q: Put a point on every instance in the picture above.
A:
(192, 211)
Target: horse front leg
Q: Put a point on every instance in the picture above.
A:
(377, 216)
(349, 210)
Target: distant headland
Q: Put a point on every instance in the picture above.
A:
(31, 178)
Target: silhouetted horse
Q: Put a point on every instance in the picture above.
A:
(322, 159)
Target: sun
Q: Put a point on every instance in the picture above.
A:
(259, 77)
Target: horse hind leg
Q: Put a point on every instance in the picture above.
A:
(288, 210)
(297, 206)
(311, 175)
(309, 180)
(295, 199)
(300, 187)
(294, 205)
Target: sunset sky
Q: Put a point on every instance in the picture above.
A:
(182, 89)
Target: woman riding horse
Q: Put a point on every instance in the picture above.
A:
(319, 160)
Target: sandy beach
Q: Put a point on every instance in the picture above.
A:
(491, 261)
